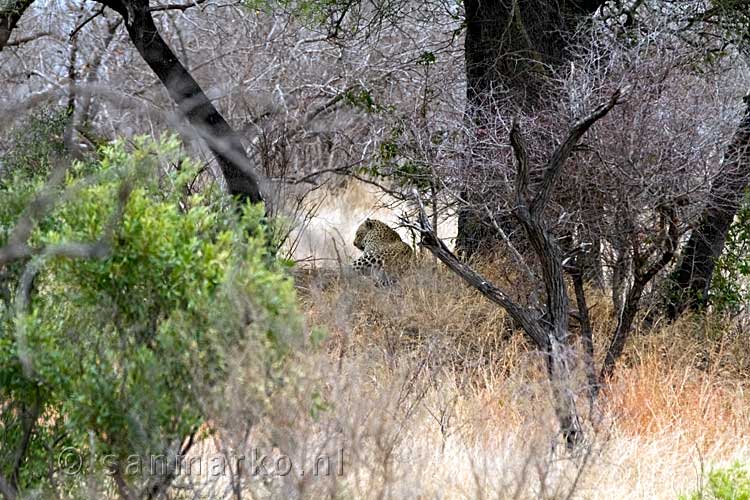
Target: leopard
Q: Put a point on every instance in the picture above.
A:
(385, 254)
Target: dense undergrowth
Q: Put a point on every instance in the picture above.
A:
(184, 330)
(463, 397)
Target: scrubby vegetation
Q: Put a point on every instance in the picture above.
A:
(450, 399)
(423, 386)
(139, 302)
(182, 314)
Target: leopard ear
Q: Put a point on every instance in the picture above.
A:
(368, 222)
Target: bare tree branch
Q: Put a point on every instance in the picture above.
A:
(559, 157)
(525, 317)
(177, 6)
(29, 417)
(25, 39)
(643, 274)
(587, 332)
(80, 26)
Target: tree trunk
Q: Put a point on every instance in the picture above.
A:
(509, 46)
(692, 279)
(510, 43)
(643, 272)
(10, 14)
(225, 144)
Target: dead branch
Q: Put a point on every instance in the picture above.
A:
(562, 152)
(548, 330)
(83, 23)
(643, 274)
(182, 7)
(524, 316)
(25, 39)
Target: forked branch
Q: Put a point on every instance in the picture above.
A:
(522, 175)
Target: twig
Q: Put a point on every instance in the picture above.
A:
(86, 21)
(25, 39)
(176, 6)
(345, 170)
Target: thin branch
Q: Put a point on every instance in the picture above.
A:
(308, 178)
(562, 153)
(671, 239)
(86, 21)
(587, 334)
(17, 246)
(93, 70)
(26, 39)
(28, 422)
(182, 7)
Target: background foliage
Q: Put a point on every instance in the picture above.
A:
(729, 288)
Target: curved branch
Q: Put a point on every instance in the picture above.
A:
(86, 21)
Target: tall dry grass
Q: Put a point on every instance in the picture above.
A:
(426, 390)
(472, 412)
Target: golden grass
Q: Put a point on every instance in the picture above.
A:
(428, 391)
(438, 396)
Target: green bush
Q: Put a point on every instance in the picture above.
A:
(118, 354)
(33, 146)
(730, 286)
(730, 483)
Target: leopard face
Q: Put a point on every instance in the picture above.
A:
(383, 249)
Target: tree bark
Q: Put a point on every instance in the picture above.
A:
(241, 179)
(692, 279)
(8, 492)
(509, 46)
(10, 14)
(587, 332)
(510, 43)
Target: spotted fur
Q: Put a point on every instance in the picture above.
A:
(383, 251)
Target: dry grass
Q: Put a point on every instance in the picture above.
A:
(478, 421)
(431, 393)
